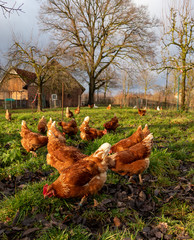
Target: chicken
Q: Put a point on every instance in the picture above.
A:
(88, 133)
(42, 125)
(77, 110)
(159, 108)
(109, 107)
(61, 156)
(8, 115)
(141, 112)
(126, 143)
(52, 126)
(95, 106)
(68, 113)
(134, 160)
(112, 124)
(69, 128)
(32, 141)
(91, 106)
(86, 177)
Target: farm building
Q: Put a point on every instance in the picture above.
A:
(18, 89)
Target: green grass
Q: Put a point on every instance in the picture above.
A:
(173, 147)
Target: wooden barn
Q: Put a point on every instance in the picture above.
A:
(18, 89)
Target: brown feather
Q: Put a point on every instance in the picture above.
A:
(85, 177)
(69, 128)
(31, 141)
(42, 125)
(124, 144)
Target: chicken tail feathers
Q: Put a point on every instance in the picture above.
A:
(87, 119)
(146, 131)
(148, 141)
(139, 128)
(102, 151)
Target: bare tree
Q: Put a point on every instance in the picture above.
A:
(35, 59)
(6, 9)
(190, 87)
(101, 33)
(146, 81)
(178, 41)
(107, 80)
(127, 83)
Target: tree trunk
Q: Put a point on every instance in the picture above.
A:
(39, 107)
(104, 96)
(91, 91)
(166, 89)
(183, 90)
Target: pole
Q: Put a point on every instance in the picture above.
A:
(62, 99)
(178, 92)
(166, 88)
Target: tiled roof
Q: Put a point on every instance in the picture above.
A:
(27, 76)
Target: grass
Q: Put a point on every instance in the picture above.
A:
(173, 148)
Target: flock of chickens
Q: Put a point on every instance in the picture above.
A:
(82, 175)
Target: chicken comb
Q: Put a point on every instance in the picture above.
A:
(45, 189)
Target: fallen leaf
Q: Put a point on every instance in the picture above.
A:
(117, 222)
(95, 203)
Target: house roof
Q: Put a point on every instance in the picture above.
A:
(30, 77)
(27, 76)
(59, 67)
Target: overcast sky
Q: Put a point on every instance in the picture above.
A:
(25, 25)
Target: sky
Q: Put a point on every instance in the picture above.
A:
(25, 25)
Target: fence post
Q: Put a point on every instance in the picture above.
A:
(178, 92)
(62, 100)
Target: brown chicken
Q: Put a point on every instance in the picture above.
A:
(32, 141)
(68, 113)
(52, 126)
(133, 161)
(109, 107)
(141, 112)
(112, 124)
(42, 125)
(61, 156)
(126, 143)
(86, 177)
(8, 115)
(77, 110)
(88, 133)
(69, 128)
(91, 106)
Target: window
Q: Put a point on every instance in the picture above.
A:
(54, 97)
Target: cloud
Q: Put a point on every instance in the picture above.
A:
(23, 26)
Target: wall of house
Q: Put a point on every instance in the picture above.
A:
(12, 87)
(73, 99)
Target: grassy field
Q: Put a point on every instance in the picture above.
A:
(159, 209)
